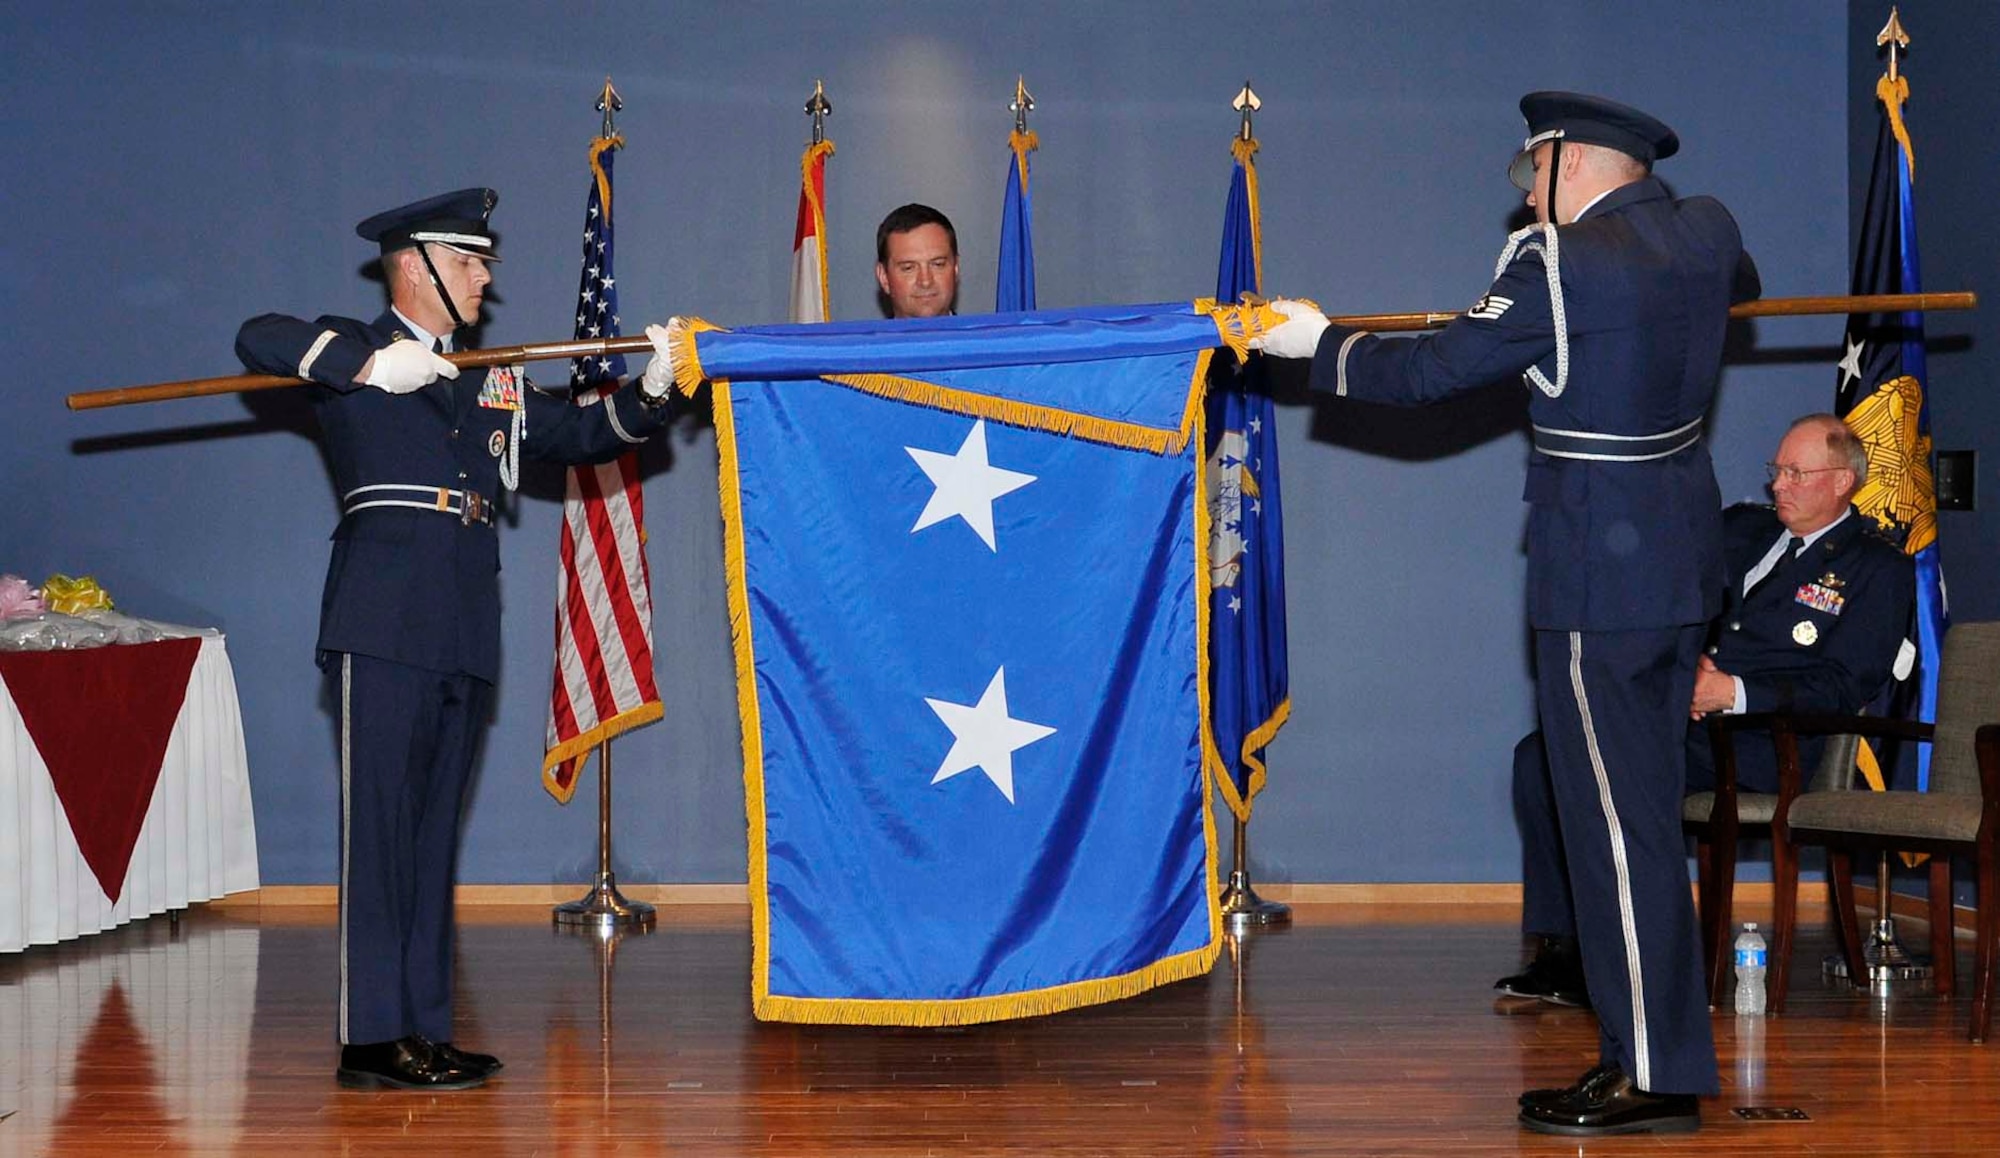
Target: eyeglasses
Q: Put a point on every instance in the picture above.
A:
(1793, 475)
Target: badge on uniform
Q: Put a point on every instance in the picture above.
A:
(497, 444)
(1804, 633)
(502, 389)
(1489, 308)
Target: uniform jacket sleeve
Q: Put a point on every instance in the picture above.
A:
(1507, 331)
(329, 351)
(1748, 286)
(561, 431)
(1856, 659)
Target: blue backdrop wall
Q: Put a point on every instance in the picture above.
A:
(174, 168)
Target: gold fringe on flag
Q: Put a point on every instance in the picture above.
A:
(1053, 999)
(688, 375)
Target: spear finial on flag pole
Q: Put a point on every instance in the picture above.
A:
(1246, 102)
(1022, 104)
(819, 108)
(609, 104)
(1892, 34)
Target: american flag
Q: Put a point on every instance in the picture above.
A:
(604, 607)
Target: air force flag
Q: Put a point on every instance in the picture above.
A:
(968, 596)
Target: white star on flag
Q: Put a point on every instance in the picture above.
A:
(966, 485)
(985, 737)
(1850, 365)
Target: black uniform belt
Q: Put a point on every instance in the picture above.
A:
(1594, 447)
(470, 506)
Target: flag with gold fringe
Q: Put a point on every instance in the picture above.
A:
(810, 302)
(1881, 395)
(1249, 695)
(603, 683)
(966, 579)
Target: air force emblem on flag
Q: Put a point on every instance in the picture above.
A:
(968, 608)
(1489, 308)
(1232, 486)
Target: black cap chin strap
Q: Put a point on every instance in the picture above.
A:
(457, 323)
(1555, 171)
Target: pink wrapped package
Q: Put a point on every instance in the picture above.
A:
(18, 600)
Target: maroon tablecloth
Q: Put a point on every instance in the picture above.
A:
(101, 718)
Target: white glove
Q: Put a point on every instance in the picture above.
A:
(1297, 336)
(405, 366)
(658, 380)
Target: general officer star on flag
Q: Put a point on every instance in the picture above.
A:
(966, 485)
(985, 736)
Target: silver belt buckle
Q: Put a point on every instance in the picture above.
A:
(471, 504)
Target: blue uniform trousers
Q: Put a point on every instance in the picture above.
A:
(1546, 907)
(1614, 722)
(407, 741)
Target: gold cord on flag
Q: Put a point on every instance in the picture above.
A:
(598, 145)
(814, 156)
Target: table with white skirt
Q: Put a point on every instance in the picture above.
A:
(198, 841)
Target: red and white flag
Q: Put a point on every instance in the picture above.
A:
(604, 606)
(809, 284)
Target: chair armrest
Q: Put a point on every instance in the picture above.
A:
(1878, 727)
(1722, 729)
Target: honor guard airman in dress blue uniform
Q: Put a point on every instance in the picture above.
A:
(1614, 308)
(1816, 618)
(410, 616)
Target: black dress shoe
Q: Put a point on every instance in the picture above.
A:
(1592, 1075)
(1555, 975)
(483, 1064)
(1606, 1102)
(408, 1063)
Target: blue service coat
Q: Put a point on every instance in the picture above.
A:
(1647, 282)
(1819, 633)
(422, 587)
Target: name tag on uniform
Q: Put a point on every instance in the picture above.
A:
(1821, 598)
(502, 390)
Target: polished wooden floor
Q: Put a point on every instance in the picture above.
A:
(1346, 1034)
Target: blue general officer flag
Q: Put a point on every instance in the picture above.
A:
(1249, 677)
(1015, 285)
(1881, 394)
(965, 579)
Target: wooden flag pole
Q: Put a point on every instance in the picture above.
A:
(605, 347)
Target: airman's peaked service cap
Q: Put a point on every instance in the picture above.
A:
(456, 221)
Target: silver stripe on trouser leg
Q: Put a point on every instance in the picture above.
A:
(1640, 1051)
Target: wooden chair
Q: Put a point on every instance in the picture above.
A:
(1960, 814)
(1722, 818)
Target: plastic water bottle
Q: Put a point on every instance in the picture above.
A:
(1750, 956)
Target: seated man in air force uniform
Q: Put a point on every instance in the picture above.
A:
(410, 618)
(1816, 618)
(1614, 306)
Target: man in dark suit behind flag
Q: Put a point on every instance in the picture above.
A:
(1614, 305)
(1817, 609)
(916, 263)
